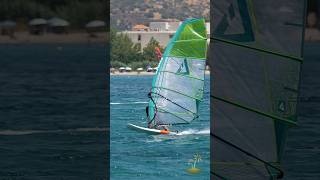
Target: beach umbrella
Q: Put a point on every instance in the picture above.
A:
(37, 21)
(55, 21)
(121, 69)
(37, 26)
(95, 24)
(140, 69)
(58, 25)
(128, 69)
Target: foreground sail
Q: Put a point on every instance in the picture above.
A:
(177, 87)
(256, 61)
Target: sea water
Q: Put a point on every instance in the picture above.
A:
(53, 109)
(137, 155)
(301, 159)
(53, 112)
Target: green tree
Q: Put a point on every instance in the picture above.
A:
(149, 51)
(124, 50)
(112, 35)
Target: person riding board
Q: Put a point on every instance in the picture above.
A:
(154, 126)
(151, 122)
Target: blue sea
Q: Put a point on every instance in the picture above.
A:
(137, 155)
(53, 112)
(54, 120)
(302, 154)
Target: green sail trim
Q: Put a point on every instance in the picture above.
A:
(193, 49)
(189, 40)
(290, 57)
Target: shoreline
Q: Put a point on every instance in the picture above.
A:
(143, 73)
(50, 38)
(24, 37)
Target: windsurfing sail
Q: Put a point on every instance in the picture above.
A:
(177, 87)
(256, 52)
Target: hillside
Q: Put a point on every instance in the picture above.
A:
(126, 13)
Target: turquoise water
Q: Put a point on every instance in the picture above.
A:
(136, 155)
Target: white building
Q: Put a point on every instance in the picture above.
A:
(160, 31)
(168, 26)
(143, 37)
(164, 26)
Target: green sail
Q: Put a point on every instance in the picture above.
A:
(177, 87)
(257, 52)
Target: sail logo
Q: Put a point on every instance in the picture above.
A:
(286, 107)
(224, 28)
(282, 106)
(184, 68)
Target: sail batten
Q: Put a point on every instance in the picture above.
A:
(182, 75)
(160, 109)
(177, 87)
(257, 53)
(258, 49)
(288, 121)
(157, 87)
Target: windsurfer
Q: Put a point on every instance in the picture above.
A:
(150, 125)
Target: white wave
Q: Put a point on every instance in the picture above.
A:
(194, 132)
(138, 102)
(182, 134)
